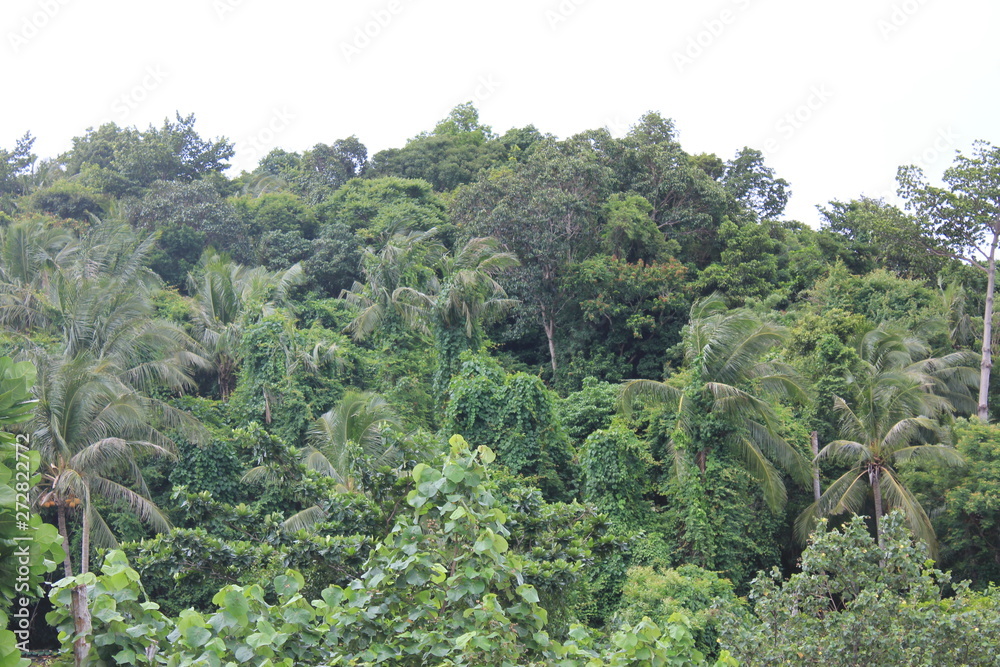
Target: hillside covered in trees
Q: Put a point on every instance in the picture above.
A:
(492, 399)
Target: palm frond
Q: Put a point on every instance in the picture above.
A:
(649, 390)
(778, 450)
(761, 469)
(304, 520)
(898, 496)
(936, 454)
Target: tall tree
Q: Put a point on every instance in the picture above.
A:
(890, 418)
(15, 165)
(124, 161)
(188, 217)
(544, 210)
(754, 186)
(962, 221)
(324, 169)
(688, 201)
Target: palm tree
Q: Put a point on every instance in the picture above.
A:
(351, 432)
(456, 305)
(90, 430)
(111, 353)
(227, 296)
(29, 251)
(104, 353)
(891, 418)
(404, 260)
(727, 382)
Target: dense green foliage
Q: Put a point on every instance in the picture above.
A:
(249, 386)
(856, 602)
(442, 587)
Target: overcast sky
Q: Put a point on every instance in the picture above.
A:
(837, 94)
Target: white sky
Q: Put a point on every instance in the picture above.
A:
(890, 82)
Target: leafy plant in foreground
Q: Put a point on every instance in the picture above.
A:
(442, 589)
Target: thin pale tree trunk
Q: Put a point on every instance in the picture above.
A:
(61, 519)
(817, 491)
(85, 540)
(987, 363)
(78, 602)
(81, 610)
(873, 476)
(549, 324)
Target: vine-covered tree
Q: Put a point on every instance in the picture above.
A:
(722, 399)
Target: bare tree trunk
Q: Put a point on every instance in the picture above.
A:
(61, 520)
(817, 491)
(549, 324)
(987, 364)
(873, 477)
(80, 608)
(85, 540)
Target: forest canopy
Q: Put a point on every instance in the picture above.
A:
(493, 399)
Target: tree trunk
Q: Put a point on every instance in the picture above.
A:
(78, 604)
(873, 477)
(549, 324)
(817, 491)
(61, 520)
(987, 364)
(700, 459)
(85, 539)
(80, 608)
